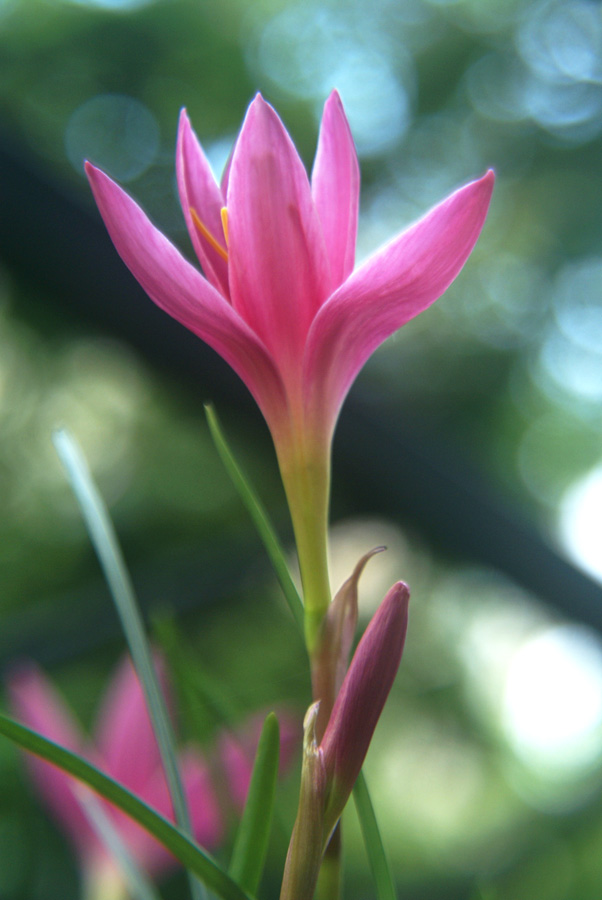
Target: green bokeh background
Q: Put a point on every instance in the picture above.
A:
(478, 796)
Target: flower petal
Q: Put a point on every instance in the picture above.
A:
(123, 723)
(38, 705)
(392, 287)
(278, 267)
(335, 184)
(236, 759)
(179, 289)
(205, 814)
(199, 191)
(206, 818)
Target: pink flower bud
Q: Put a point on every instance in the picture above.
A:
(361, 699)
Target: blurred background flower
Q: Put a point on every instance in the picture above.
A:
(125, 748)
(471, 444)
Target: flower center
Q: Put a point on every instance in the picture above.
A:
(206, 234)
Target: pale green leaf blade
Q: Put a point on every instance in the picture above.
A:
(259, 516)
(183, 848)
(385, 888)
(104, 539)
(251, 844)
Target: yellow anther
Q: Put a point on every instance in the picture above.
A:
(204, 232)
(224, 215)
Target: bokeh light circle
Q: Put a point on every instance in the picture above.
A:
(115, 132)
(552, 709)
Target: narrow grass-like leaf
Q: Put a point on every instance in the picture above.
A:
(106, 545)
(174, 839)
(139, 886)
(259, 516)
(385, 889)
(251, 844)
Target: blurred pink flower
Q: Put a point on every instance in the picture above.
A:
(124, 747)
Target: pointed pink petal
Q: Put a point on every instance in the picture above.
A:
(236, 758)
(290, 740)
(198, 189)
(279, 273)
(179, 289)
(205, 814)
(124, 734)
(392, 287)
(203, 806)
(38, 705)
(335, 184)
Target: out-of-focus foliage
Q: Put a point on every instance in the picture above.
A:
(485, 770)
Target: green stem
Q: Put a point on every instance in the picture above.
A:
(305, 469)
(306, 479)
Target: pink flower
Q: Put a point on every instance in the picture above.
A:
(125, 748)
(279, 299)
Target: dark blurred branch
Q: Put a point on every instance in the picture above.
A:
(75, 622)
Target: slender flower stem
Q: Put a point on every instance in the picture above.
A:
(306, 476)
(305, 471)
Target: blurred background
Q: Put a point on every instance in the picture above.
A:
(471, 444)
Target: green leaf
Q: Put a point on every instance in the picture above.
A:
(259, 516)
(250, 847)
(385, 889)
(104, 539)
(183, 848)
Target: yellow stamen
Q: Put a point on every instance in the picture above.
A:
(204, 232)
(224, 215)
